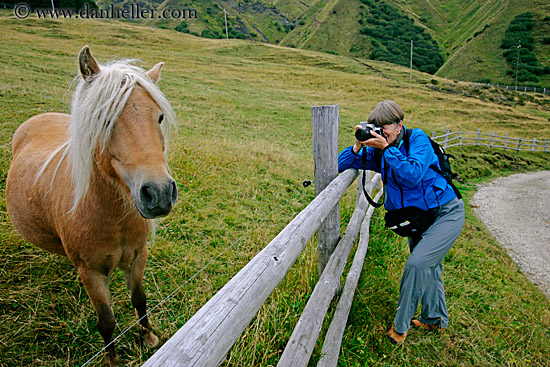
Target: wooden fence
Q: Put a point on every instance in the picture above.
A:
(207, 337)
(462, 138)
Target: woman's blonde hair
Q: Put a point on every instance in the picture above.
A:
(386, 112)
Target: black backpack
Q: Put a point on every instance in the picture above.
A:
(446, 172)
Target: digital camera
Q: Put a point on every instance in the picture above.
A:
(365, 133)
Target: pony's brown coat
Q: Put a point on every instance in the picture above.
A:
(106, 230)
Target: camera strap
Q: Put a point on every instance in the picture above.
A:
(367, 196)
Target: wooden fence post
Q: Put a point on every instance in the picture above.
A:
(546, 145)
(519, 143)
(492, 139)
(477, 137)
(534, 144)
(446, 139)
(325, 156)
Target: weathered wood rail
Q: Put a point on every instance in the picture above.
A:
(302, 341)
(333, 339)
(207, 337)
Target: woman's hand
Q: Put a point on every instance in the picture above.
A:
(377, 142)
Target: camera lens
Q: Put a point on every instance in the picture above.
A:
(362, 135)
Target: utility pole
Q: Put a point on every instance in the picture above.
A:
(226, 33)
(411, 77)
(517, 64)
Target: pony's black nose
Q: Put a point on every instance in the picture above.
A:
(158, 199)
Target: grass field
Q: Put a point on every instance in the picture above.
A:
(241, 152)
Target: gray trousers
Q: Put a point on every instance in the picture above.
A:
(421, 280)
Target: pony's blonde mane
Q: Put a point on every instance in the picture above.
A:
(96, 105)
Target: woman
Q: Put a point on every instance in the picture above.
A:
(409, 181)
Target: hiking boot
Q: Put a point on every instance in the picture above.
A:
(395, 337)
(419, 324)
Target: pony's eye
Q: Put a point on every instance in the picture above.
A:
(161, 118)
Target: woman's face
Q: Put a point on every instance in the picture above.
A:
(391, 131)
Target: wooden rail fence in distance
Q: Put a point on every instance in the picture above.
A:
(463, 138)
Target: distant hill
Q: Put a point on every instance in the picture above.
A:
(451, 38)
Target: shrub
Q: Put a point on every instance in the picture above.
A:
(182, 27)
(208, 33)
(391, 33)
(523, 58)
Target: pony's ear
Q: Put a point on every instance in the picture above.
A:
(154, 73)
(88, 64)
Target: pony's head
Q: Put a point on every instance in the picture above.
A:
(120, 121)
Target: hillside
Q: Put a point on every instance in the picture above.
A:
(459, 40)
(480, 56)
(468, 34)
(241, 152)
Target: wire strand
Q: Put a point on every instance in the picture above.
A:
(188, 280)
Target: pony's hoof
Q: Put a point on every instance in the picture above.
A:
(151, 340)
(112, 360)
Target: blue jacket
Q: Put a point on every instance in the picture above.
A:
(408, 178)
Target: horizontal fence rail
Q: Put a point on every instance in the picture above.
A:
(333, 339)
(207, 337)
(464, 138)
(302, 341)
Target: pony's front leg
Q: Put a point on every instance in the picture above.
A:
(134, 280)
(97, 287)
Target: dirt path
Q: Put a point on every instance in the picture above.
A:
(516, 209)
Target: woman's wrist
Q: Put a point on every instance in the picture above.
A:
(356, 148)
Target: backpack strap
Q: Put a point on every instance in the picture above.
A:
(444, 162)
(438, 151)
(406, 139)
(449, 181)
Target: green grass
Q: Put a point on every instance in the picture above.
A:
(241, 152)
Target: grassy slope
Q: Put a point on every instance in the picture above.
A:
(242, 150)
(333, 28)
(451, 23)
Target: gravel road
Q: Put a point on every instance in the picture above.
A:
(516, 209)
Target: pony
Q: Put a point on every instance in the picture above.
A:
(88, 185)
